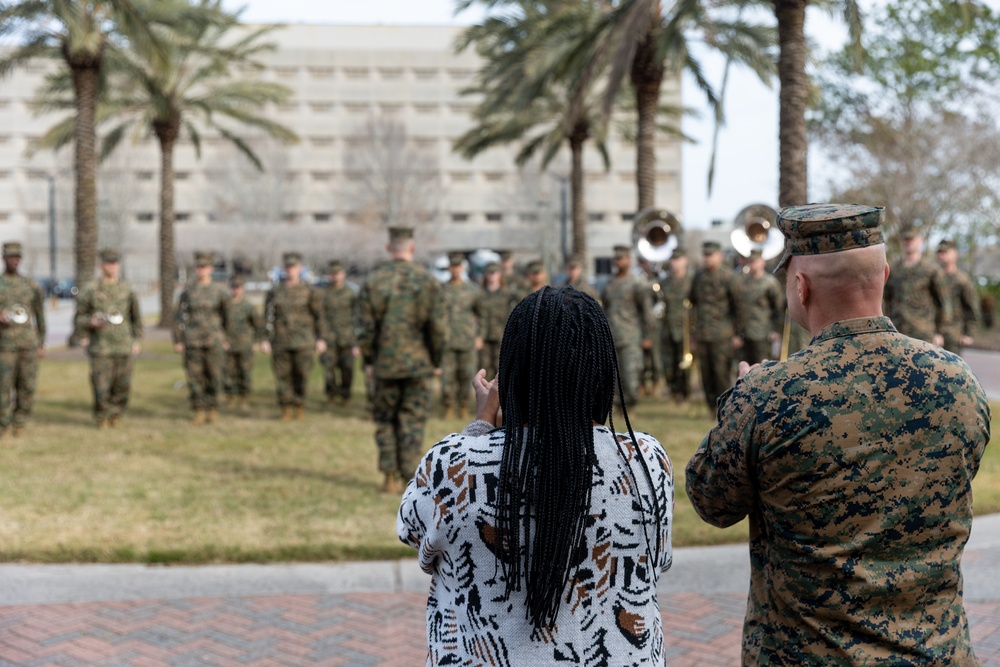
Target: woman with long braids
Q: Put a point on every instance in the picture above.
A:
(544, 531)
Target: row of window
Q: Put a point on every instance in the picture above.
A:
(326, 72)
(326, 216)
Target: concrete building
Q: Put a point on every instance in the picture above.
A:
(372, 105)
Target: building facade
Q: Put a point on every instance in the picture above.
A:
(377, 109)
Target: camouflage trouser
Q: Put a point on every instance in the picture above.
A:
(338, 371)
(755, 350)
(204, 375)
(630, 367)
(291, 374)
(400, 412)
(18, 370)
(650, 366)
(457, 369)
(489, 356)
(239, 372)
(952, 339)
(715, 361)
(678, 379)
(111, 380)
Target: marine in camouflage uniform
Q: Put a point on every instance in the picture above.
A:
(854, 461)
(916, 298)
(718, 317)
(764, 303)
(244, 328)
(516, 283)
(401, 324)
(576, 280)
(22, 342)
(339, 302)
(296, 331)
(108, 324)
(493, 309)
(627, 302)
(200, 334)
(675, 325)
(964, 313)
(459, 363)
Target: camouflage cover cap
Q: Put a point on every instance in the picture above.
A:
(535, 266)
(456, 258)
(492, 267)
(679, 252)
(203, 259)
(709, 247)
(109, 256)
(291, 258)
(817, 229)
(335, 266)
(909, 234)
(237, 281)
(574, 263)
(12, 249)
(946, 244)
(504, 254)
(397, 233)
(622, 251)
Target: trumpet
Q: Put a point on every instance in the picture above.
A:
(687, 359)
(114, 317)
(655, 234)
(756, 230)
(16, 314)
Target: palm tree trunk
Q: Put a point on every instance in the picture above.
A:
(793, 143)
(579, 212)
(647, 78)
(85, 84)
(167, 133)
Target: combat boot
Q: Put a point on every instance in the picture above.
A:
(300, 411)
(18, 430)
(447, 413)
(332, 402)
(211, 415)
(390, 484)
(103, 425)
(243, 407)
(6, 439)
(198, 418)
(462, 410)
(286, 413)
(115, 421)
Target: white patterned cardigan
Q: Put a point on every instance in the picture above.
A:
(609, 613)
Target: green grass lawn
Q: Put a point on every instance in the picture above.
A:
(246, 488)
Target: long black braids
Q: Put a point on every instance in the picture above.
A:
(558, 374)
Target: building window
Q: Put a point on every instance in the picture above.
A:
(461, 176)
(602, 266)
(355, 143)
(289, 216)
(424, 143)
(595, 217)
(145, 217)
(461, 108)
(321, 106)
(4, 175)
(425, 73)
(627, 176)
(528, 217)
(288, 107)
(4, 103)
(460, 74)
(4, 216)
(144, 175)
(596, 176)
(322, 216)
(291, 176)
(391, 73)
(284, 71)
(182, 217)
(426, 107)
(494, 176)
(182, 175)
(627, 217)
(321, 142)
(4, 138)
(390, 108)
(322, 175)
(354, 176)
(320, 72)
(356, 73)
(494, 217)
(353, 217)
(459, 217)
(356, 107)
(37, 216)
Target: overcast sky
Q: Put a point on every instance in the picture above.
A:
(747, 161)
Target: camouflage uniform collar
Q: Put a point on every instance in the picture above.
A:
(859, 325)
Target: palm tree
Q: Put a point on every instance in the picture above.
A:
(793, 95)
(81, 33)
(525, 92)
(185, 93)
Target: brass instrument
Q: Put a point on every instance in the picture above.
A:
(655, 234)
(786, 336)
(113, 318)
(756, 230)
(16, 314)
(687, 360)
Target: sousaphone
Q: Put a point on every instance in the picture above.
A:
(655, 234)
(756, 230)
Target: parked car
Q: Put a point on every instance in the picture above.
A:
(65, 289)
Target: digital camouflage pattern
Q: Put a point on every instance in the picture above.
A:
(294, 319)
(964, 312)
(244, 329)
(339, 306)
(19, 345)
(493, 309)
(628, 305)
(817, 229)
(854, 461)
(717, 315)
(673, 294)
(764, 304)
(200, 325)
(459, 362)
(917, 300)
(116, 308)
(402, 332)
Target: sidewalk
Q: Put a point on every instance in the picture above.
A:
(355, 613)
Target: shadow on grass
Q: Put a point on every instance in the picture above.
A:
(243, 470)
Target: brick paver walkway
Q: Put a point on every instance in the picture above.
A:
(353, 629)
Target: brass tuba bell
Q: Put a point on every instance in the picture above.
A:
(756, 230)
(655, 234)
(16, 314)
